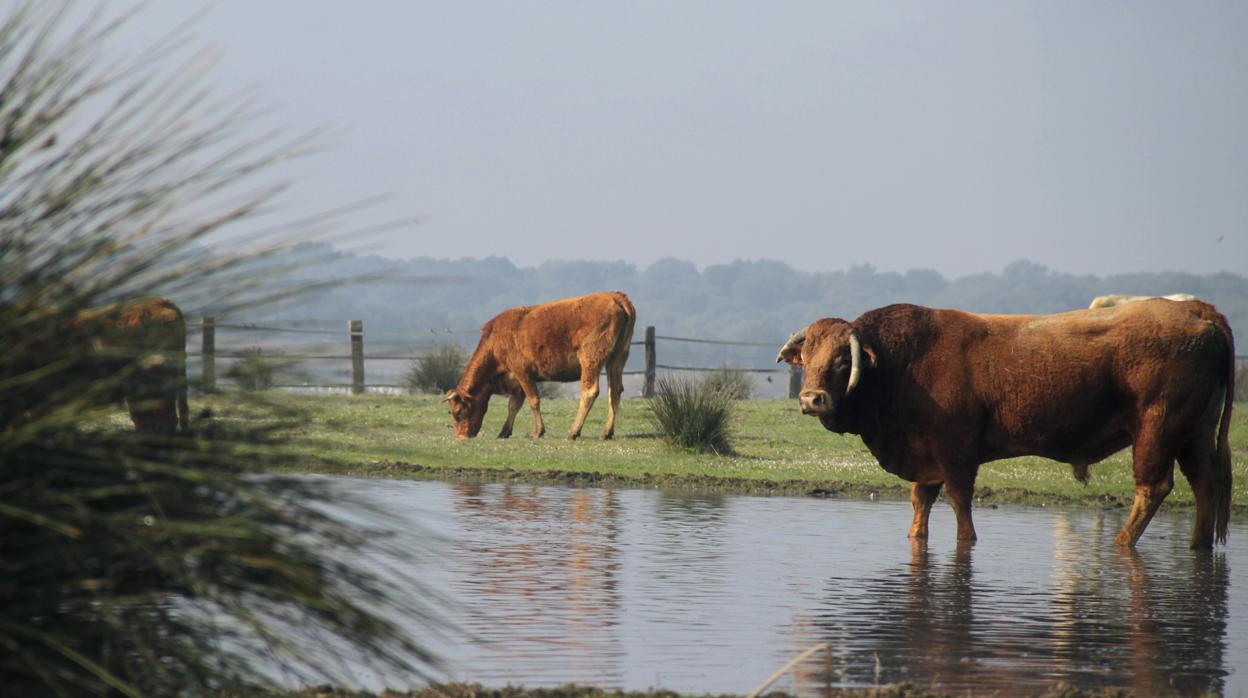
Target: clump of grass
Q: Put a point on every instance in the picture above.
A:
(255, 370)
(438, 371)
(687, 415)
(731, 382)
(549, 390)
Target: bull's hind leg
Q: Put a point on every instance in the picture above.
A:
(589, 393)
(513, 406)
(1154, 478)
(1197, 461)
(922, 497)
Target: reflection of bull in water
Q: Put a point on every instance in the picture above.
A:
(1119, 619)
(1171, 613)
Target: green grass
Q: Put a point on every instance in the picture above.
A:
(777, 450)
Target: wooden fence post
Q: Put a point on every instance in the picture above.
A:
(208, 369)
(647, 390)
(795, 381)
(356, 329)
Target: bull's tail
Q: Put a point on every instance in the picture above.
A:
(1221, 484)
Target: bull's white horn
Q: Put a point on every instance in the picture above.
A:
(855, 361)
(795, 338)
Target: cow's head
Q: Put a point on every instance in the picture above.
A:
(834, 359)
(467, 411)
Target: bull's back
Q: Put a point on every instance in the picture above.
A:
(1071, 386)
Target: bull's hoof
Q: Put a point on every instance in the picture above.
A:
(504, 434)
(573, 435)
(608, 436)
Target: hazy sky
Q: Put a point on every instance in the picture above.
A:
(1091, 137)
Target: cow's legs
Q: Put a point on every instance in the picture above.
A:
(1154, 478)
(153, 415)
(960, 488)
(514, 402)
(922, 497)
(615, 388)
(535, 403)
(589, 393)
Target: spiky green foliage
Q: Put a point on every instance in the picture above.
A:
(136, 564)
(732, 382)
(437, 371)
(689, 416)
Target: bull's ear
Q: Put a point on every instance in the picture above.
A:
(791, 352)
(869, 352)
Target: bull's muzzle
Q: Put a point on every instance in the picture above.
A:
(815, 401)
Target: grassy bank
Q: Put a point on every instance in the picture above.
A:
(777, 451)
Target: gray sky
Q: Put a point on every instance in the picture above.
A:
(1091, 137)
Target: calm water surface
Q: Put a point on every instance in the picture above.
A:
(711, 593)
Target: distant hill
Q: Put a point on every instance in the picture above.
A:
(759, 301)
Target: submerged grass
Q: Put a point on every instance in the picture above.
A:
(776, 450)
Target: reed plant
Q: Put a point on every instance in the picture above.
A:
(732, 382)
(140, 564)
(688, 415)
(437, 371)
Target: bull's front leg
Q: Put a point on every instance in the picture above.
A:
(960, 487)
(921, 498)
(513, 406)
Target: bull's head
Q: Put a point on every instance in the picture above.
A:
(834, 358)
(467, 411)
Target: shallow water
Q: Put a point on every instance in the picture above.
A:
(712, 593)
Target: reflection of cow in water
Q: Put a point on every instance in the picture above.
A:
(934, 393)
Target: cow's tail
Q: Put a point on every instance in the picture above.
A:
(1222, 460)
(183, 409)
(624, 339)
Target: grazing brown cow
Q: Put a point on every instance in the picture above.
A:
(934, 393)
(141, 345)
(1121, 299)
(564, 340)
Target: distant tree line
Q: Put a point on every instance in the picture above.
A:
(745, 300)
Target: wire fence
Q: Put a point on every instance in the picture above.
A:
(352, 374)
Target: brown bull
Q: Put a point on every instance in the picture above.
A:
(934, 393)
(565, 340)
(141, 347)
